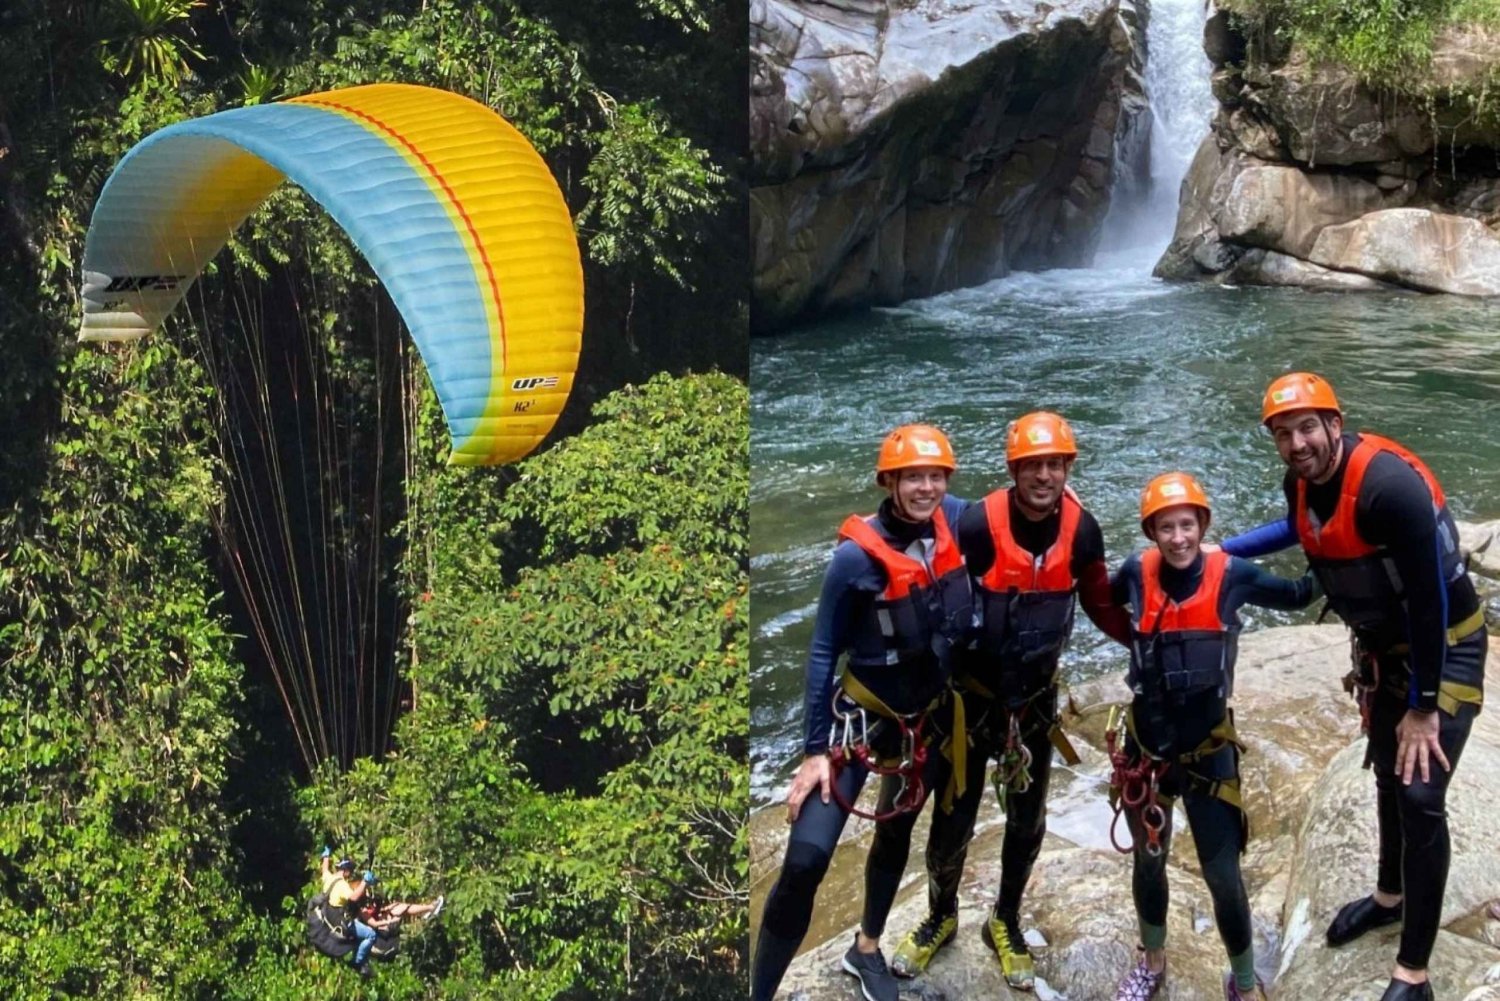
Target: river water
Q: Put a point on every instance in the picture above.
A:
(1152, 376)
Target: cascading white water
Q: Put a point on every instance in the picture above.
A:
(1182, 104)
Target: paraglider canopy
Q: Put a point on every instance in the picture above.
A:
(455, 211)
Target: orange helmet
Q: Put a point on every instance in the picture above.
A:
(1170, 490)
(914, 445)
(1298, 391)
(1037, 434)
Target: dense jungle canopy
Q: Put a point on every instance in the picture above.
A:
(551, 656)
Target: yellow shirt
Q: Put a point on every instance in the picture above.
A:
(340, 892)
(329, 878)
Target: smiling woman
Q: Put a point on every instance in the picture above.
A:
(896, 598)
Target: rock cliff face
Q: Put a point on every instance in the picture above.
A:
(905, 147)
(1310, 178)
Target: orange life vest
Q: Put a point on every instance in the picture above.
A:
(1026, 601)
(1182, 647)
(1359, 578)
(924, 610)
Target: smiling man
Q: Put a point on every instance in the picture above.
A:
(1031, 549)
(1377, 532)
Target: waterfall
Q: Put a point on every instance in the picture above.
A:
(1140, 222)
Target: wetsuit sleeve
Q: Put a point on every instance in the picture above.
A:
(838, 604)
(1094, 591)
(1395, 511)
(1271, 537)
(1123, 582)
(1247, 584)
(974, 540)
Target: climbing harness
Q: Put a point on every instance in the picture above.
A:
(851, 743)
(1361, 682)
(1137, 786)
(1134, 786)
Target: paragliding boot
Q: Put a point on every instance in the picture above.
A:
(1002, 932)
(916, 950)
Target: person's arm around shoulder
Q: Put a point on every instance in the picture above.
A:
(1095, 588)
(1251, 585)
(1272, 537)
(1124, 582)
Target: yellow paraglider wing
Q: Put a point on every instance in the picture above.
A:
(455, 211)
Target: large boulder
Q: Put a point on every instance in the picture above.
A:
(1334, 863)
(1284, 209)
(1416, 248)
(1326, 118)
(905, 147)
(1322, 181)
(1267, 267)
(1197, 248)
(1480, 543)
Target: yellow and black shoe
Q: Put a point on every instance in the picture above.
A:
(1004, 936)
(919, 946)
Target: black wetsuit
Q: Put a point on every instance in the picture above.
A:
(1218, 826)
(850, 587)
(988, 723)
(1394, 510)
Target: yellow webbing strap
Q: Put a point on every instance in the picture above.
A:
(969, 683)
(1468, 627)
(1451, 695)
(1063, 744)
(958, 741)
(1226, 789)
(958, 755)
(1217, 738)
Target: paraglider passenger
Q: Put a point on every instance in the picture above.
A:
(346, 894)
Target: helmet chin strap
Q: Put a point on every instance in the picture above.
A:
(1335, 450)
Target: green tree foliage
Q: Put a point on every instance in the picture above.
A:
(147, 39)
(118, 696)
(1387, 42)
(571, 767)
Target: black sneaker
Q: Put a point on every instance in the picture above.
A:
(875, 980)
(1400, 990)
(1359, 916)
(364, 971)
